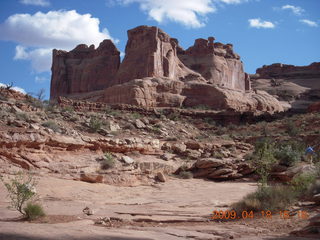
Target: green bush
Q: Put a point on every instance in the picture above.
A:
(52, 125)
(263, 159)
(270, 198)
(21, 189)
(23, 117)
(288, 155)
(302, 183)
(136, 115)
(95, 124)
(33, 211)
(108, 161)
(291, 128)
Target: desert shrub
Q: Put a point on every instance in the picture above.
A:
(270, 198)
(136, 115)
(33, 211)
(69, 109)
(301, 183)
(33, 101)
(288, 154)
(112, 112)
(185, 175)
(21, 189)
(156, 129)
(291, 128)
(95, 124)
(201, 107)
(52, 125)
(22, 116)
(263, 159)
(108, 161)
(174, 116)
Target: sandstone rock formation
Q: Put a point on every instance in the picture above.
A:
(296, 86)
(278, 70)
(150, 52)
(84, 69)
(156, 73)
(216, 62)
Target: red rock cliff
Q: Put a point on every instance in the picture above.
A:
(84, 69)
(150, 52)
(216, 62)
(279, 70)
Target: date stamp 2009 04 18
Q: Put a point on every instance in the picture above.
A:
(233, 215)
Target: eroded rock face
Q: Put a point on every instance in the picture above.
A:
(156, 73)
(279, 70)
(150, 52)
(84, 69)
(216, 62)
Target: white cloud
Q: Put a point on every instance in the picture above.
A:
(40, 57)
(38, 34)
(295, 9)
(309, 22)
(232, 1)
(18, 89)
(42, 3)
(190, 13)
(40, 79)
(258, 23)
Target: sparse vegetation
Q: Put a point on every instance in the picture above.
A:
(69, 109)
(136, 115)
(263, 159)
(108, 161)
(291, 128)
(33, 101)
(95, 124)
(21, 189)
(22, 116)
(301, 183)
(33, 211)
(289, 153)
(52, 125)
(270, 198)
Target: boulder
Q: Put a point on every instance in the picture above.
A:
(139, 124)
(91, 178)
(127, 160)
(161, 177)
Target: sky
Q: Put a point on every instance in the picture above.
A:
(262, 31)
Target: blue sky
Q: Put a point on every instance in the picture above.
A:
(262, 31)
